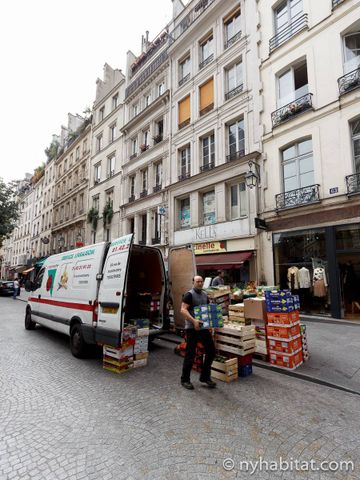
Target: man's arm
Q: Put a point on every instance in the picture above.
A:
(184, 310)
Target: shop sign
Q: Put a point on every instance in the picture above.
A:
(205, 232)
(209, 247)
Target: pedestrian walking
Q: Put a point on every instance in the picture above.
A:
(219, 280)
(194, 334)
(16, 289)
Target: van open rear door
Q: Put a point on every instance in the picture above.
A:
(111, 292)
(182, 268)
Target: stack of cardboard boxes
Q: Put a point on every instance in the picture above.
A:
(255, 312)
(283, 329)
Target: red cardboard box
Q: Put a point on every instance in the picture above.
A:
(283, 331)
(283, 318)
(285, 345)
(285, 360)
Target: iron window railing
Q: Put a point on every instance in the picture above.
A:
(235, 155)
(207, 166)
(235, 91)
(185, 123)
(349, 82)
(292, 109)
(285, 34)
(298, 197)
(131, 198)
(207, 109)
(353, 183)
(133, 155)
(143, 193)
(155, 240)
(146, 73)
(205, 62)
(232, 40)
(184, 176)
(157, 188)
(184, 79)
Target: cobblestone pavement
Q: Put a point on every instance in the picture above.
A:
(63, 418)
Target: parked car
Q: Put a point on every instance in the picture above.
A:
(6, 288)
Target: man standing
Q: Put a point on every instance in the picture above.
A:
(219, 280)
(194, 334)
(16, 289)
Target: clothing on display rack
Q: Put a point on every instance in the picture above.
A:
(293, 279)
(319, 282)
(304, 278)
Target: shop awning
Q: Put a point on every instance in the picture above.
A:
(20, 268)
(222, 260)
(28, 270)
(40, 262)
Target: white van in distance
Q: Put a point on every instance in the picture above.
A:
(90, 293)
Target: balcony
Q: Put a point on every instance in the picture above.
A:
(184, 176)
(152, 49)
(143, 193)
(131, 198)
(235, 91)
(205, 62)
(207, 166)
(285, 34)
(158, 138)
(232, 40)
(132, 156)
(291, 110)
(298, 197)
(206, 110)
(144, 147)
(353, 184)
(349, 82)
(235, 155)
(155, 241)
(184, 79)
(184, 124)
(157, 188)
(335, 3)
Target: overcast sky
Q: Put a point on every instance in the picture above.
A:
(52, 52)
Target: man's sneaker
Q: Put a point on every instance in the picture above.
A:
(188, 385)
(209, 383)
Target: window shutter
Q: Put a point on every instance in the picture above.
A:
(184, 110)
(207, 94)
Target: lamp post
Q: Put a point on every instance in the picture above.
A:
(252, 178)
(61, 243)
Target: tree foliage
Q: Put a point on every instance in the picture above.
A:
(9, 211)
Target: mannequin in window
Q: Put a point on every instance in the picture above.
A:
(304, 287)
(320, 282)
(293, 279)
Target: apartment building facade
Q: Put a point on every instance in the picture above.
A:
(47, 208)
(146, 134)
(310, 59)
(71, 186)
(103, 211)
(215, 106)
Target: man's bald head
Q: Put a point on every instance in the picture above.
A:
(198, 281)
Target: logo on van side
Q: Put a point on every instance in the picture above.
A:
(63, 279)
(50, 281)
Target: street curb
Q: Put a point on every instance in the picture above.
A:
(338, 321)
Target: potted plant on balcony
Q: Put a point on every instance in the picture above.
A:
(143, 147)
(158, 138)
(93, 217)
(108, 214)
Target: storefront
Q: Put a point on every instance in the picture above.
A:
(322, 265)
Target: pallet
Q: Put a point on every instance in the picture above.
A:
(226, 372)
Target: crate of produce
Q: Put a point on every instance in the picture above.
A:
(117, 366)
(285, 318)
(283, 331)
(237, 307)
(240, 320)
(118, 353)
(285, 345)
(235, 341)
(245, 370)
(224, 369)
(285, 360)
(243, 331)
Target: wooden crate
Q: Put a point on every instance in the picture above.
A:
(226, 372)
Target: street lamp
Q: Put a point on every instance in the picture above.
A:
(61, 242)
(252, 178)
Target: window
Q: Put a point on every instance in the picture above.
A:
(65, 165)
(206, 51)
(298, 165)
(81, 203)
(207, 97)
(101, 113)
(184, 162)
(238, 201)
(143, 228)
(236, 139)
(97, 173)
(77, 153)
(351, 52)
(109, 200)
(184, 213)
(158, 174)
(184, 112)
(96, 202)
(184, 70)
(234, 77)
(208, 207)
(355, 137)
(159, 129)
(208, 152)
(144, 180)
(147, 100)
(292, 84)
(73, 210)
(286, 14)
(232, 25)
(85, 146)
(99, 140)
(131, 225)
(111, 166)
(135, 110)
(115, 101)
(160, 88)
(146, 137)
(132, 186)
(112, 133)
(134, 146)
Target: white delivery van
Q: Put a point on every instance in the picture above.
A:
(90, 293)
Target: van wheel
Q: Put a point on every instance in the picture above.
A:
(29, 323)
(77, 343)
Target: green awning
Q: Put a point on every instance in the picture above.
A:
(40, 262)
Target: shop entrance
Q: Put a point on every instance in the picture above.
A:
(349, 270)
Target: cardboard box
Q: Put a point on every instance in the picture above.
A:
(141, 344)
(285, 345)
(283, 331)
(283, 318)
(140, 363)
(118, 353)
(255, 308)
(287, 361)
(141, 356)
(143, 332)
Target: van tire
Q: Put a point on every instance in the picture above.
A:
(78, 346)
(29, 323)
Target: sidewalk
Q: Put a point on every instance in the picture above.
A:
(334, 347)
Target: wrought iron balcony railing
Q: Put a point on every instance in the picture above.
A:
(335, 3)
(349, 82)
(207, 166)
(143, 76)
(184, 79)
(232, 40)
(207, 109)
(133, 155)
(156, 188)
(205, 62)
(235, 155)
(185, 123)
(353, 183)
(298, 197)
(143, 193)
(292, 109)
(285, 34)
(157, 139)
(131, 198)
(155, 240)
(235, 91)
(184, 176)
